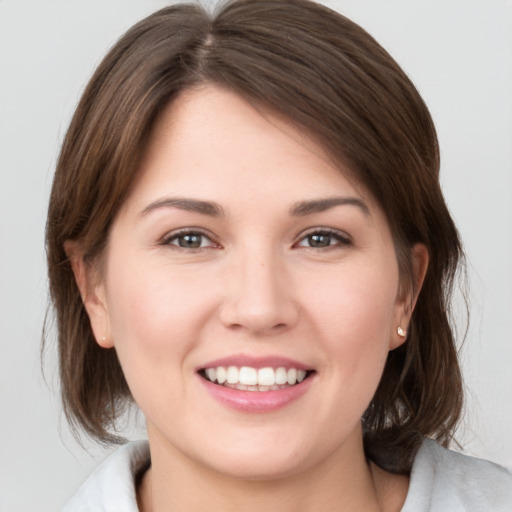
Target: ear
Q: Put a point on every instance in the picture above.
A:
(407, 301)
(92, 291)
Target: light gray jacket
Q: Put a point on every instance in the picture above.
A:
(441, 481)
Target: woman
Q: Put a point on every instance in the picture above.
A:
(246, 237)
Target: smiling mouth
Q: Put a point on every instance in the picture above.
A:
(246, 378)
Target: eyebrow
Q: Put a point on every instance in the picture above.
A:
(189, 205)
(303, 208)
(213, 209)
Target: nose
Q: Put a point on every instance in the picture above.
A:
(258, 296)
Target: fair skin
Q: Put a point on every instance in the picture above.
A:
(240, 244)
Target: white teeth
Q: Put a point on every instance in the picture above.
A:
(292, 376)
(266, 377)
(221, 375)
(281, 376)
(232, 375)
(251, 379)
(248, 376)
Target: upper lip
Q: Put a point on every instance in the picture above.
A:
(270, 361)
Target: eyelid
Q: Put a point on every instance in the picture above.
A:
(171, 235)
(342, 237)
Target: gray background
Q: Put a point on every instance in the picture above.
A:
(459, 54)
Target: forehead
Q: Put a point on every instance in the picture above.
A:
(210, 143)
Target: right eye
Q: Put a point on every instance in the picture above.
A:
(193, 240)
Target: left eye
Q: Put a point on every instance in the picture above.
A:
(189, 240)
(322, 239)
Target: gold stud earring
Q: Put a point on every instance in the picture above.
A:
(401, 331)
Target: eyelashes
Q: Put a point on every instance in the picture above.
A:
(190, 240)
(196, 240)
(324, 239)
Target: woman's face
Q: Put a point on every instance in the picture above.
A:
(243, 254)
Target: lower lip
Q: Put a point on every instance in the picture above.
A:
(257, 401)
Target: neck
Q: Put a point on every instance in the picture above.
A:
(342, 482)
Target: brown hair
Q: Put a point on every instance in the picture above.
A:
(324, 73)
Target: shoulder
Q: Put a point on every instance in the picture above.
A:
(444, 480)
(111, 487)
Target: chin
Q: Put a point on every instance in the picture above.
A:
(262, 468)
(260, 461)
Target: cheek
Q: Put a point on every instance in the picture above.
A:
(359, 297)
(353, 313)
(154, 319)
